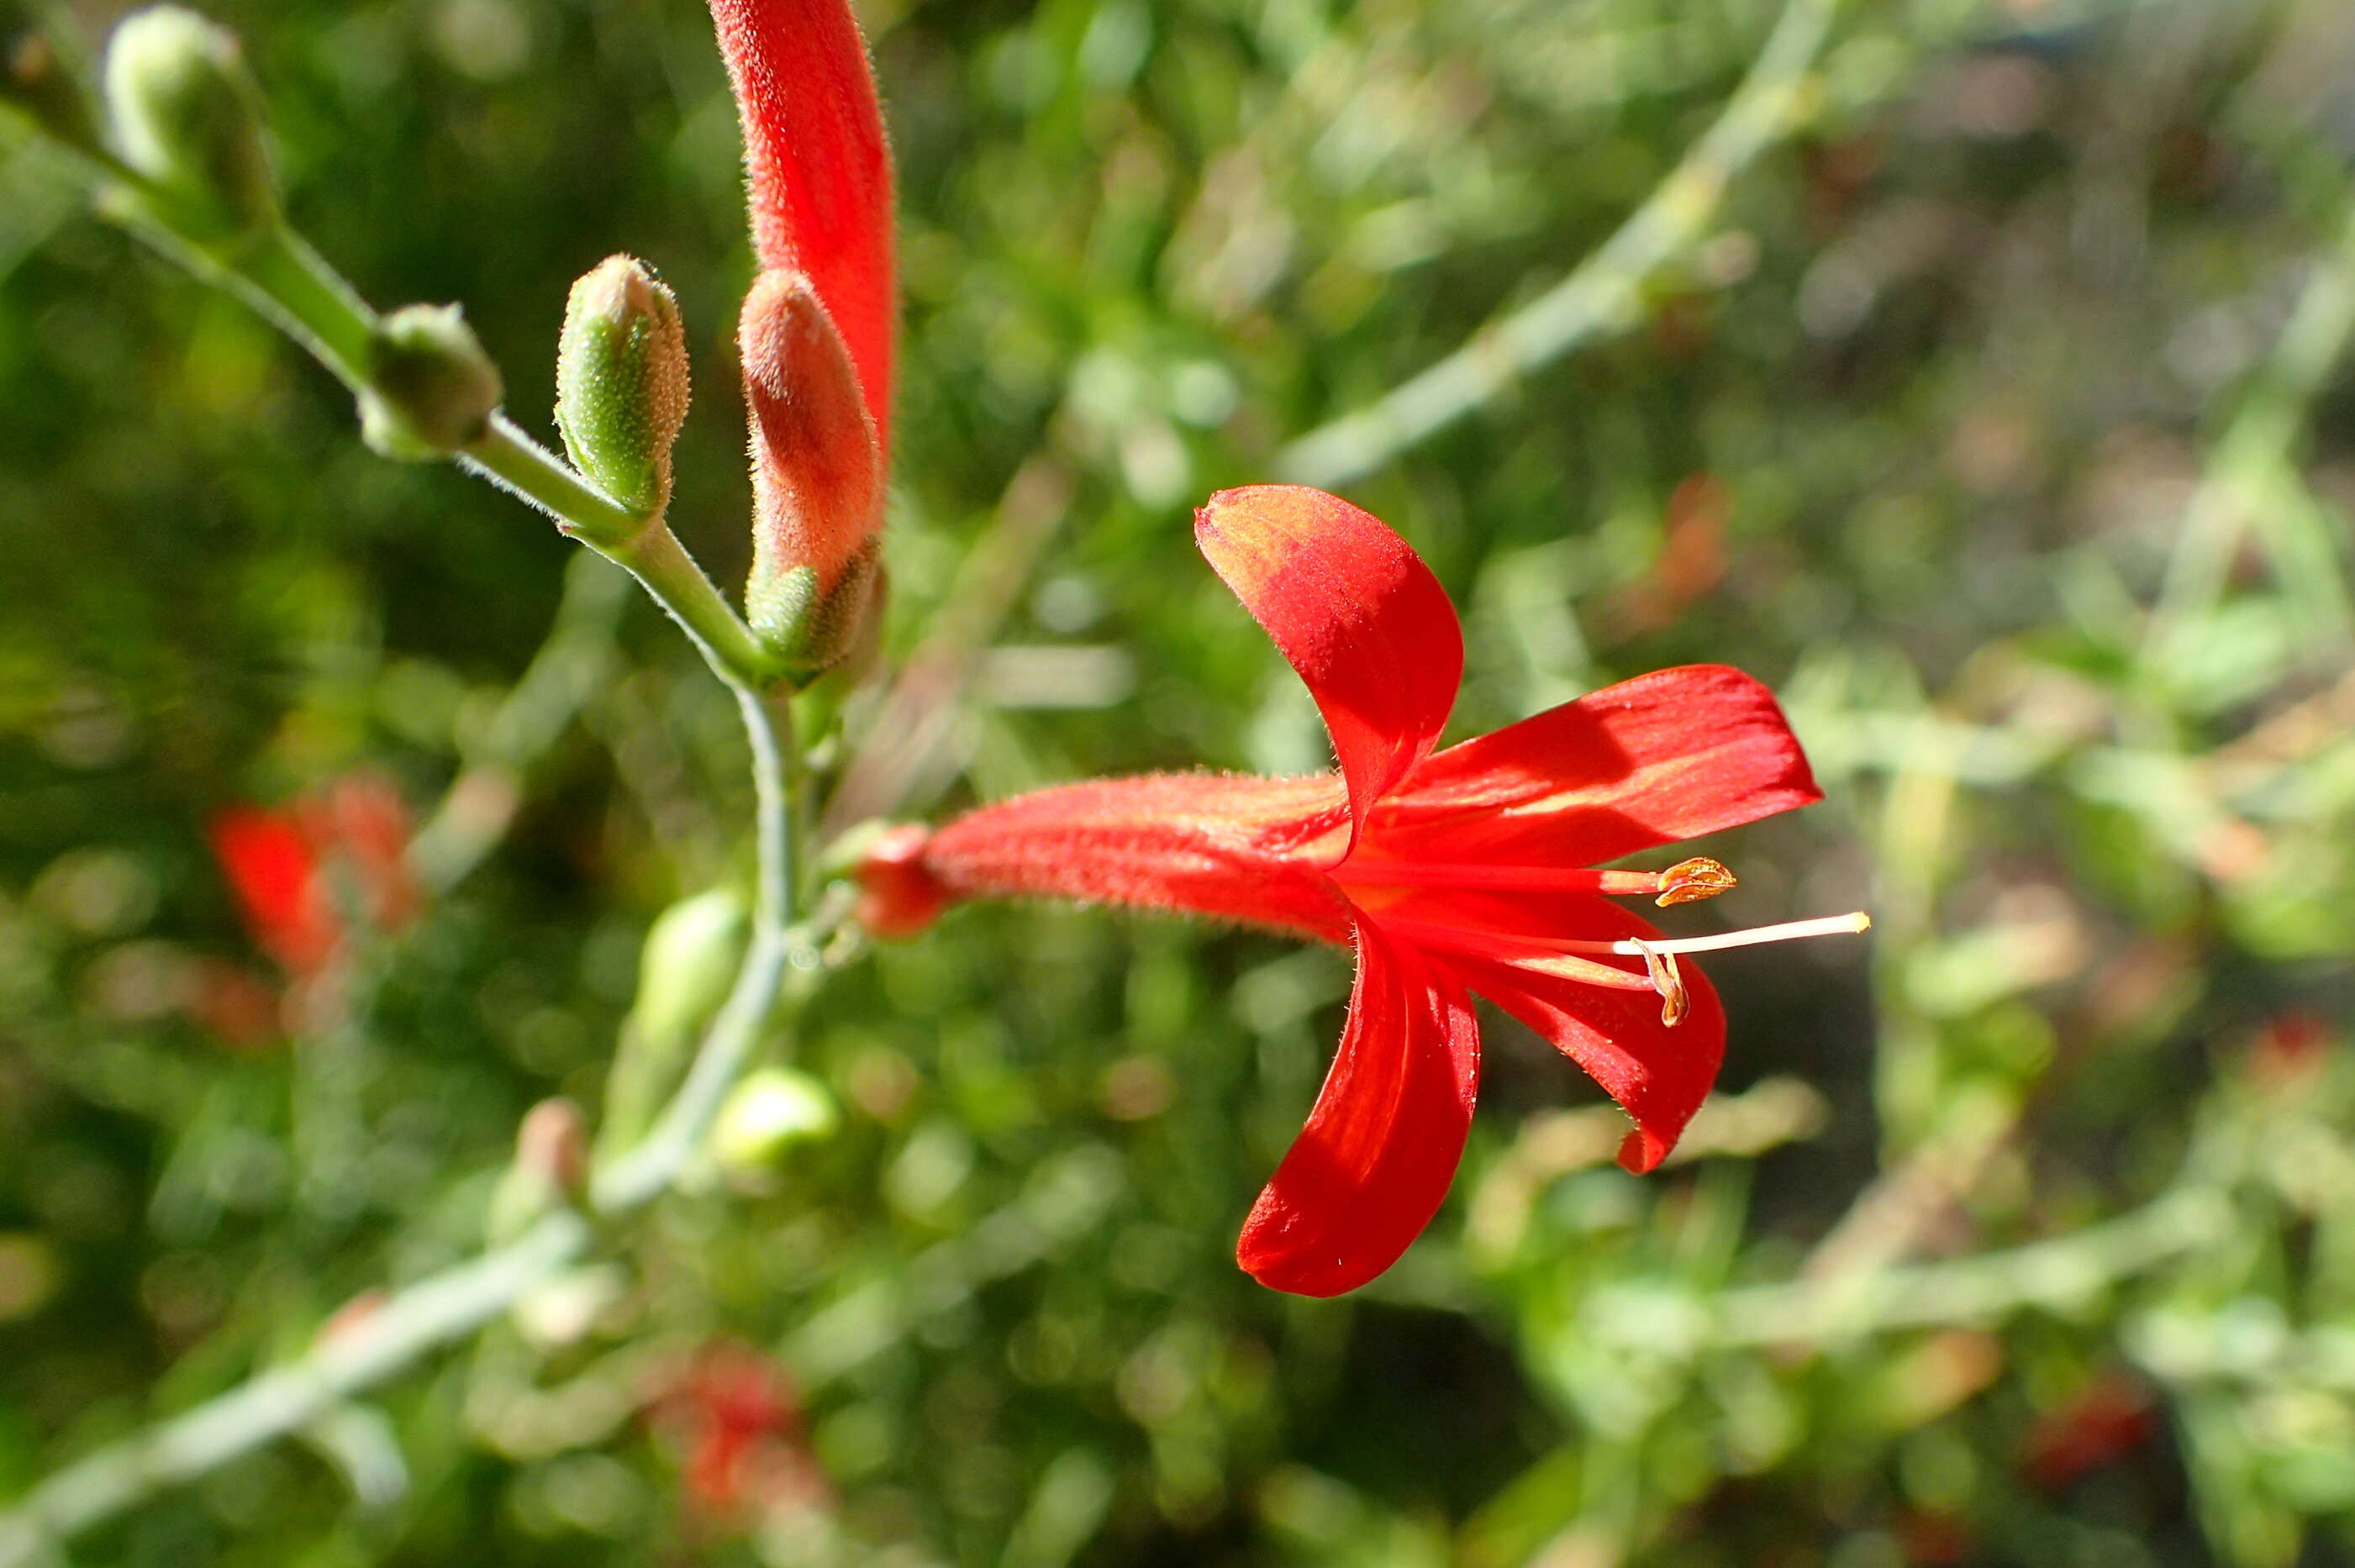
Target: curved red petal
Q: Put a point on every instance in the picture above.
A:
(1356, 610)
(1369, 1169)
(1226, 847)
(819, 168)
(1658, 1073)
(1664, 757)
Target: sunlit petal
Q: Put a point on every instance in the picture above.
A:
(1356, 610)
(1381, 1147)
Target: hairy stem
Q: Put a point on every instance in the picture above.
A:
(649, 551)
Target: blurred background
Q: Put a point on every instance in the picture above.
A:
(1996, 419)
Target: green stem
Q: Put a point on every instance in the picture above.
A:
(280, 276)
(650, 1168)
(292, 284)
(647, 548)
(432, 1312)
(2058, 1274)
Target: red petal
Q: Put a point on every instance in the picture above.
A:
(1664, 757)
(1355, 610)
(1658, 1074)
(1230, 847)
(1370, 1167)
(820, 169)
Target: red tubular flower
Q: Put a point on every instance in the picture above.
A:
(817, 326)
(818, 167)
(1450, 872)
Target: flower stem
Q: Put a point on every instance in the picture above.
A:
(647, 550)
(291, 284)
(649, 1167)
(432, 1312)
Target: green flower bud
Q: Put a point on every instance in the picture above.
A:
(685, 973)
(432, 390)
(186, 114)
(37, 82)
(620, 382)
(769, 1112)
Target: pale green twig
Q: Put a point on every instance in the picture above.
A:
(2060, 1274)
(2250, 481)
(1602, 294)
(288, 1398)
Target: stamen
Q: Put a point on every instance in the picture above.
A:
(1668, 981)
(1854, 924)
(1690, 881)
(1684, 882)
(1487, 942)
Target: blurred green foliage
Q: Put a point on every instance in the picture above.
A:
(1997, 425)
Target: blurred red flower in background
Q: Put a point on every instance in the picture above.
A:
(737, 1416)
(284, 865)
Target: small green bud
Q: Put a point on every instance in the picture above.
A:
(685, 973)
(769, 1112)
(186, 114)
(35, 82)
(432, 390)
(620, 382)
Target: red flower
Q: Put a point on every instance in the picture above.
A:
(1450, 871)
(278, 864)
(816, 329)
(275, 873)
(818, 167)
(737, 1417)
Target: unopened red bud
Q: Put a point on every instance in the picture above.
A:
(898, 894)
(818, 478)
(34, 80)
(553, 1142)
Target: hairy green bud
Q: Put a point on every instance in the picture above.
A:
(186, 114)
(620, 382)
(432, 390)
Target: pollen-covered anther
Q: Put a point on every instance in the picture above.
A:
(1668, 981)
(1690, 881)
